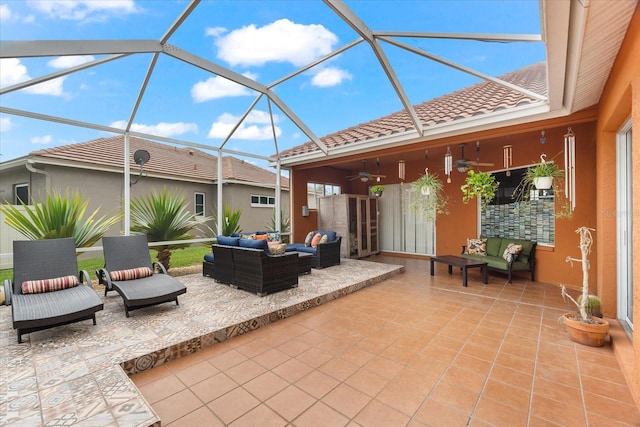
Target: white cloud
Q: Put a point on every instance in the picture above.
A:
(5, 12)
(214, 31)
(64, 62)
(85, 10)
(330, 77)
(257, 126)
(219, 87)
(5, 124)
(159, 129)
(280, 41)
(42, 140)
(13, 72)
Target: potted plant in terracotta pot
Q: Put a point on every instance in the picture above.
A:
(482, 185)
(376, 190)
(428, 197)
(584, 328)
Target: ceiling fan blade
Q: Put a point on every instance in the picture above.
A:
(474, 163)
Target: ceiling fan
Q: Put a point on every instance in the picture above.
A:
(365, 176)
(463, 164)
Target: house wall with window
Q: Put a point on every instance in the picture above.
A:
(255, 216)
(620, 103)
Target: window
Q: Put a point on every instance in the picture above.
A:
(21, 194)
(199, 204)
(315, 190)
(262, 201)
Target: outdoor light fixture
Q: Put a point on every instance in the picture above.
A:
(463, 168)
(401, 169)
(543, 137)
(507, 156)
(570, 167)
(448, 164)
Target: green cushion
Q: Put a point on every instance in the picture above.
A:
(493, 246)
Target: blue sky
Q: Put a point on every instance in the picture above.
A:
(263, 40)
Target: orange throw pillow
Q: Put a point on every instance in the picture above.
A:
(316, 240)
(262, 237)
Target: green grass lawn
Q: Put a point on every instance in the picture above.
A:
(179, 258)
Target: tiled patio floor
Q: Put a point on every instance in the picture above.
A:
(414, 350)
(77, 374)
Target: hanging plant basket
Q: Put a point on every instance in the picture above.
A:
(543, 182)
(428, 197)
(482, 185)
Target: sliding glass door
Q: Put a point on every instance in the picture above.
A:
(401, 229)
(624, 216)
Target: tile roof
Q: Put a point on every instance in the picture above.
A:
(481, 98)
(168, 160)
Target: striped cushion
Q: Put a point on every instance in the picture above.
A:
(134, 273)
(49, 285)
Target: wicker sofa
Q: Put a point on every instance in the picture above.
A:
(324, 254)
(495, 247)
(246, 265)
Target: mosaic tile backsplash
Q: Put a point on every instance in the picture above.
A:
(533, 220)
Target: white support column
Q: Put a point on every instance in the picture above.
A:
(278, 193)
(220, 210)
(127, 186)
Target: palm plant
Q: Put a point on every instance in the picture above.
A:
(57, 217)
(230, 223)
(164, 217)
(284, 224)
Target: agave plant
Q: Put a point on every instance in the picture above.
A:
(164, 217)
(57, 217)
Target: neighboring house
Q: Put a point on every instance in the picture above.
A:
(95, 168)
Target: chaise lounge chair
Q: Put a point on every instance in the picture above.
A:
(129, 271)
(48, 290)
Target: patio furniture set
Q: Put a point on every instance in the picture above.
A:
(503, 255)
(48, 289)
(253, 265)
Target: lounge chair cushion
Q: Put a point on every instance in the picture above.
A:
(49, 285)
(131, 274)
(228, 241)
(208, 258)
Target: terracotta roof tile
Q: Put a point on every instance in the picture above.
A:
(481, 98)
(184, 162)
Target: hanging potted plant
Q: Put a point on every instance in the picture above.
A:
(428, 197)
(544, 176)
(376, 190)
(482, 185)
(584, 328)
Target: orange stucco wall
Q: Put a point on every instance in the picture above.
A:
(619, 102)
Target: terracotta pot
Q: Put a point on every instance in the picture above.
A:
(591, 334)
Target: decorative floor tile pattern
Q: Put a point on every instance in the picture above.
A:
(77, 374)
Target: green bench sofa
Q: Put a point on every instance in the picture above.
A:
(495, 247)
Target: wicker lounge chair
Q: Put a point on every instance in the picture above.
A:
(42, 261)
(126, 256)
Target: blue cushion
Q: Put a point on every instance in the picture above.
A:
(331, 235)
(255, 244)
(291, 247)
(229, 241)
(307, 249)
(208, 258)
